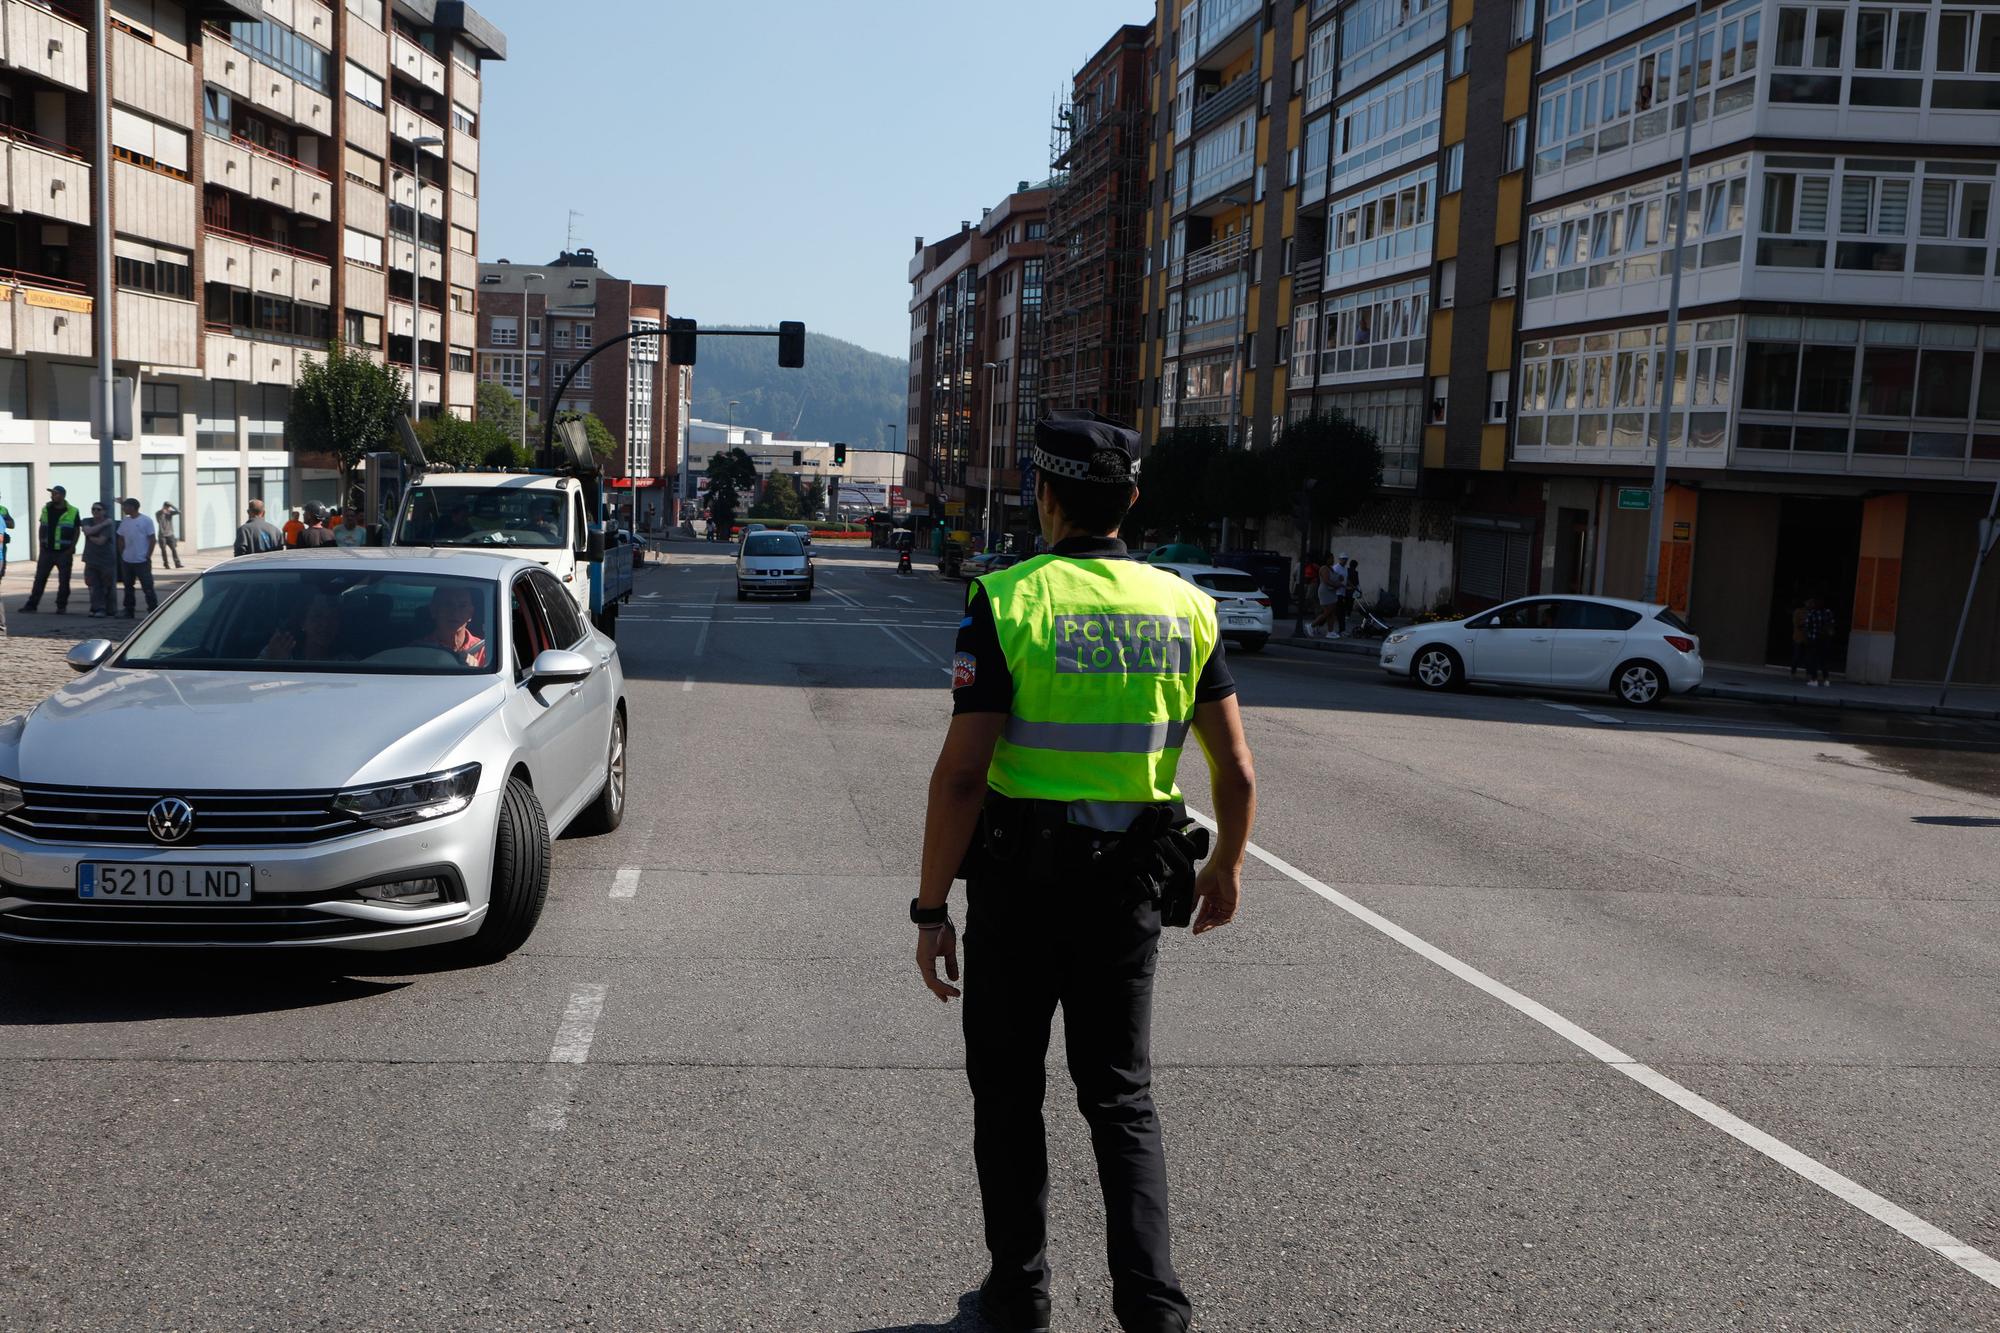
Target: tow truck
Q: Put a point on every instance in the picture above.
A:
(553, 516)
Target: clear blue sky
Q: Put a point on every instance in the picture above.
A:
(771, 160)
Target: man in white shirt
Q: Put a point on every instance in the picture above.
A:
(136, 538)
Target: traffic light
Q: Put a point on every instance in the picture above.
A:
(680, 341)
(840, 455)
(791, 345)
(798, 458)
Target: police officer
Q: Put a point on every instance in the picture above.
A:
(55, 548)
(1077, 677)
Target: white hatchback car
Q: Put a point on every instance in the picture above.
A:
(1242, 611)
(1639, 651)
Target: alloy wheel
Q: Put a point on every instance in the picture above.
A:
(1639, 684)
(617, 765)
(1434, 669)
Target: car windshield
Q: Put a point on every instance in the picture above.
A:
(471, 516)
(772, 543)
(333, 620)
(1226, 582)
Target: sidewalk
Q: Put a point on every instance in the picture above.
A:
(1765, 685)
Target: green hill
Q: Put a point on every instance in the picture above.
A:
(848, 392)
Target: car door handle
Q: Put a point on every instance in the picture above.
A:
(1538, 638)
(1611, 640)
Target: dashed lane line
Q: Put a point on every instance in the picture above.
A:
(1972, 1259)
(571, 1049)
(625, 884)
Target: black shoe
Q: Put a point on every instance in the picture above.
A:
(29, 608)
(1014, 1312)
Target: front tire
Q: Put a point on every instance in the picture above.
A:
(741, 595)
(1437, 668)
(806, 596)
(607, 812)
(1639, 684)
(520, 875)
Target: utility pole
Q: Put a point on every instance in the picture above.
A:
(1989, 536)
(1656, 515)
(107, 386)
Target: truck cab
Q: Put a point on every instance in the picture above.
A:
(538, 515)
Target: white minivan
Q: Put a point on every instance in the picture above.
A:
(773, 563)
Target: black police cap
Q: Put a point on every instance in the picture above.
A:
(1083, 446)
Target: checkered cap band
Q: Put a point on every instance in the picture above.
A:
(1061, 467)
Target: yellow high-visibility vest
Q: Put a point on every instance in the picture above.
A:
(1104, 655)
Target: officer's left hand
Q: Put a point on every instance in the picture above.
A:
(935, 944)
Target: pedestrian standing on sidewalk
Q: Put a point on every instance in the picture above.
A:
(1332, 581)
(6, 539)
(56, 535)
(293, 525)
(316, 532)
(1819, 630)
(136, 539)
(100, 559)
(165, 519)
(256, 535)
(1350, 593)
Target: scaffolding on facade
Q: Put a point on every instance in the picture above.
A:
(1092, 278)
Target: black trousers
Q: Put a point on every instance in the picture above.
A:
(142, 575)
(59, 563)
(1031, 945)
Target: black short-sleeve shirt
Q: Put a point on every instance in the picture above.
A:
(980, 679)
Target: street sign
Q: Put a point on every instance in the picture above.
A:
(954, 508)
(1634, 497)
(1683, 530)
(124, 390)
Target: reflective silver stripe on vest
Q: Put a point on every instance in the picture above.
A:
(1097, 737)
(1114, 816)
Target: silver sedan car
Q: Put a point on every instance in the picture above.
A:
(357, 748)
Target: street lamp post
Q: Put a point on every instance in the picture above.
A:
(417, 145)
(1656, 515)
(992, 369)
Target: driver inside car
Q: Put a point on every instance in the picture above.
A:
(451, 627)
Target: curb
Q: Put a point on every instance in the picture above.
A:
(1352, 647)
(1744, 694)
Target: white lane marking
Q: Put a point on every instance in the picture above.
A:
(1972, 1259)
(579, 1024)
(687, 685)
(571, 1049)
(1603, 718)
(915, 649)
(896, 596)
(625, 884)
(701, 639)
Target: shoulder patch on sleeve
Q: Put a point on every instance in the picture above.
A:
(964, 670)
(965, 623)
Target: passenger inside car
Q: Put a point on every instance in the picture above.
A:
(451, 627)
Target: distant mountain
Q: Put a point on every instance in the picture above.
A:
(848, 392)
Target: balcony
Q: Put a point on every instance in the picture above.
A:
(1218, 106)
(267, 267)
(159, 330)
(1223, 255)
(45, 178)
(41, 314)
(1306, 276)
(407, 126)
(416, 64)
(1218, 22)
(36, 41)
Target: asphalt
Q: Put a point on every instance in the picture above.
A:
(1790, 914)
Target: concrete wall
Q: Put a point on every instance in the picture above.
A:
(1939, 544)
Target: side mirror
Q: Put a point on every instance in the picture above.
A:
(559, 666)
(90, 654)
(593, 546)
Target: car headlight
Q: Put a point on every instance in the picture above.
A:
(11, 798)
(1397, 637)
(397, 803)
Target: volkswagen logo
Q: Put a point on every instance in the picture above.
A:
(170, 820)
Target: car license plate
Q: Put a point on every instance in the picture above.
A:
(144, 882)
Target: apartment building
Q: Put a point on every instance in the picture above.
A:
(976, 302)
(283, 172)
(537, 321)
(1835, 419)
(1096, 244)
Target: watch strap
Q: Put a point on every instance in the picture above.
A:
(929, 916)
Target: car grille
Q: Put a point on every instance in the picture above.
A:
(102, 818)
(75, 923)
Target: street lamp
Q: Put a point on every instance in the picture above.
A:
(992, 369)
(417, 145)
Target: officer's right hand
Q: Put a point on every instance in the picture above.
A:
(1217, 890)
(932, 945)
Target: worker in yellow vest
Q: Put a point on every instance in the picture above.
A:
(1077, 678)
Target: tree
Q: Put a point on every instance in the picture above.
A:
(346, 406)
(813, 502)
(1330, 461)
(602, 442)
(1177, 483)
(492, 403)
(780, 498)
(730, 473)
(456, 442)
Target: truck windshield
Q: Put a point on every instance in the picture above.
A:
(470, 516)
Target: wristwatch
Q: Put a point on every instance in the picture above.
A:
(929, 916)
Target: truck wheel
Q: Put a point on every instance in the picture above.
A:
(520, 876)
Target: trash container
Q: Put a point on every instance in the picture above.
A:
(1271, 569)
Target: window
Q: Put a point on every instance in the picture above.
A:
(147, 268)
(1622, 236)
(362, 248)
(1440, 397)
(1506, 270)
(363, 87)
(583, 335)
(504, 331)
(1390, 221)
(1499, 393)
(565, 624)
(272, 44)
(1514, 156)
(1447, 283)
(1375, 331)
(1603, 390)
(534, 331)
(148, 142)
(1375, 34)
(215, 415)
(1321, 49)
(1454, 168)
(1870, 206)
(1391, 122)
(159, 408)
(562, 335)
(368, 11)
(364, 167)
(217, 111)
(1461, 48)
(465, 120)
(1522, 26)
